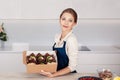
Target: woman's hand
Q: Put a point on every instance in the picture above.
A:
(48, 74)
(58, 73)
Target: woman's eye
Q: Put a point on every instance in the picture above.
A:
(63, 18)
(70, 20)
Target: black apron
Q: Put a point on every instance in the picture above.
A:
(62, 57)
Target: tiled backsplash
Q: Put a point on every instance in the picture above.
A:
(38, 32)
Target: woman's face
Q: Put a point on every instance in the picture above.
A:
(67, 22)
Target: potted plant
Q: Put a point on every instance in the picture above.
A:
(3, 35)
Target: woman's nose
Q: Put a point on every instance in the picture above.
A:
(66, 22)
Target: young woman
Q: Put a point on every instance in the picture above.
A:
(66, 45)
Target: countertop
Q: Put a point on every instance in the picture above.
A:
(26, 76)
(81, 48)
(33, 48)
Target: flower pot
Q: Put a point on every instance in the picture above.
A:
(2, 44)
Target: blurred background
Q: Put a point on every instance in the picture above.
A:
(32, 25)
(37, 21)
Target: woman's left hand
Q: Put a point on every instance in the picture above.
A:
(48, 74)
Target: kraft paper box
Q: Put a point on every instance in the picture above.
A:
(36, 68)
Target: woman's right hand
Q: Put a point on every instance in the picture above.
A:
(48, 74)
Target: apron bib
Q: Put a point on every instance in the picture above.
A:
(62, 57)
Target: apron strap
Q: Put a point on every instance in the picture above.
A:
(54, 44)
(64, 44)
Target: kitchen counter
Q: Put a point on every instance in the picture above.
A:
(25, 76)
(42, 48)
(103, 48)
(88, 61)
(33, 48)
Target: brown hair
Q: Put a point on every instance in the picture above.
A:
(72, 12)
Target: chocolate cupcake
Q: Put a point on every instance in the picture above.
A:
(49, 58)
(31, 58)
(40, 59)
(105, 75)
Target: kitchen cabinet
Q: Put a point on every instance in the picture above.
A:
(99, 57)
(45, 9)
(88, 61)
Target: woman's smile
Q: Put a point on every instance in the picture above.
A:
(65, 26)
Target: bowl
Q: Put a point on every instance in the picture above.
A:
(89, 78)
(105, 74)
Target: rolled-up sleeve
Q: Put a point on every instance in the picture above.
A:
(72, 52)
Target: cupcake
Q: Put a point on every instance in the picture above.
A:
(49, 58)
(31, 58)
(105, 74)
(40, 59)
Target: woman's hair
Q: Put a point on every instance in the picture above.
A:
(72, 12)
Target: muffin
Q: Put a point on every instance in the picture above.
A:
(49, 58)
(40, 59)
(31, 58)
(105, 74)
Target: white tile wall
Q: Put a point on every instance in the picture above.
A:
(42, 32)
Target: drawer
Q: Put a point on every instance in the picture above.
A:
(91, 57)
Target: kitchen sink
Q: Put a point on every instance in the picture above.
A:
(84, 48)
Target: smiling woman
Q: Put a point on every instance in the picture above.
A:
(66, 45)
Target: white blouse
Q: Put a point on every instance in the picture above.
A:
(71, 48)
